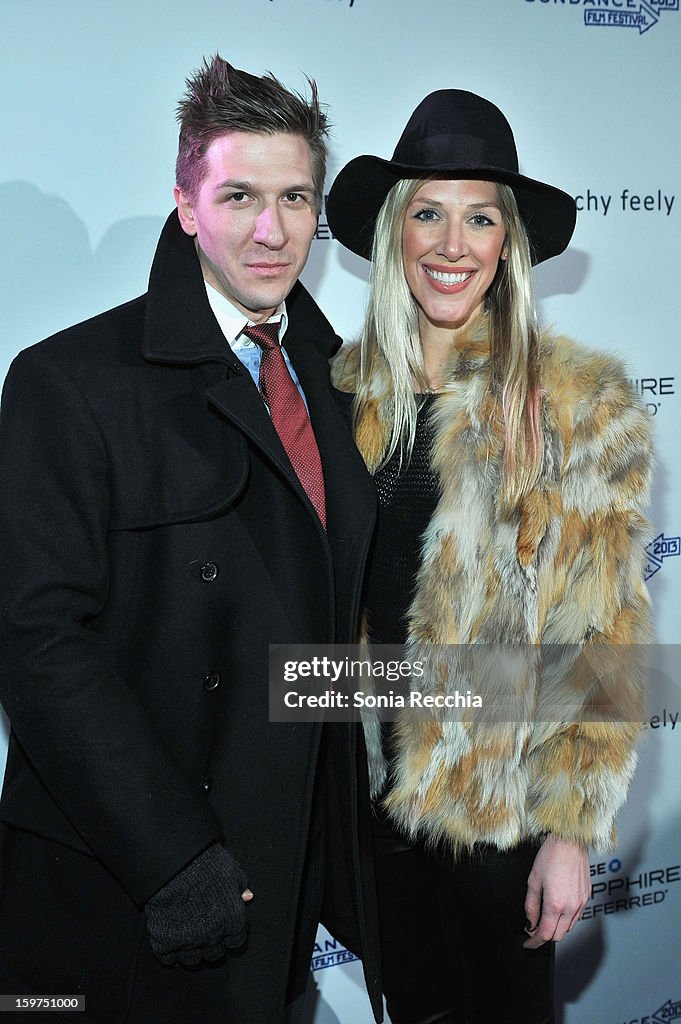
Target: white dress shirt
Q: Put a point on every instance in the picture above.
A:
(232, 323)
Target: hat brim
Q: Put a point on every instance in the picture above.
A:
(361, 187)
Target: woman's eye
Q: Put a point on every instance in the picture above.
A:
(481, 220)
(426, 215)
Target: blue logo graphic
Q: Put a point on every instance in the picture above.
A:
(638, 14)
(641, 14)
(330, 953)
(670, 1011)
(659, 549)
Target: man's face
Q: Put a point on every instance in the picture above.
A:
(254, 218)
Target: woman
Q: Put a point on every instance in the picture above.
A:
(512, 469)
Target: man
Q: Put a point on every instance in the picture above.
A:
(167, 852)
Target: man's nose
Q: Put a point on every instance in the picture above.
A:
(269, 228)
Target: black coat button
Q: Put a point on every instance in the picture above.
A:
(212, 681)
(209, 572)
(207, 784)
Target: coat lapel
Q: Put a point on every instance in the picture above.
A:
(237, 398)
(181, 330)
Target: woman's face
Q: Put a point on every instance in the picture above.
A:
(452, 242)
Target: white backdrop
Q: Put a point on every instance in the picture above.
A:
(592, 90)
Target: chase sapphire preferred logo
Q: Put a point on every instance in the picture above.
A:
(652, 390)
(613, 890)
(637, 14)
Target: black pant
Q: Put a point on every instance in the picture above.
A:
(452, 936)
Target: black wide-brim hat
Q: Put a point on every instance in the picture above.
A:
(451, 133)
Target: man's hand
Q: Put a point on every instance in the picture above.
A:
(199, 914)
(557, 891)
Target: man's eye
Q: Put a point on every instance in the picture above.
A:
(294, 197)
(237, 197)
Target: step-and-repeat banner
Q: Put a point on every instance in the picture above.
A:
(592, 90)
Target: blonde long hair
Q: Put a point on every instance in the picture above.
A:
(391, 336)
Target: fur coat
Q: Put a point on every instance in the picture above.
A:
(543, 610)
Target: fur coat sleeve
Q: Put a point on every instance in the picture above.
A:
(559, 581)
(592, 600)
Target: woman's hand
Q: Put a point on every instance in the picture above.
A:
(557, 891)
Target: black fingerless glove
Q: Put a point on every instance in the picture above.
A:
(199, 914)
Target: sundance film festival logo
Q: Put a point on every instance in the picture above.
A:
(330, 953)
(658, 550)
(669, 1011)
(637, 14)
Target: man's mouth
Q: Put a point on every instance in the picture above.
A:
(268, 268)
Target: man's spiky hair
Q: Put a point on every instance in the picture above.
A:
(220, 98)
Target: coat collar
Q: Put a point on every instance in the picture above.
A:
(180, 327)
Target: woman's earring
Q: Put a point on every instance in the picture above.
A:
(504, 254)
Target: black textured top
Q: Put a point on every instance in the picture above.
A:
(406, 502)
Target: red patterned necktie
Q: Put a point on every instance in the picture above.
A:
(289, 414)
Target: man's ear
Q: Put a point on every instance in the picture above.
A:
(185, 211)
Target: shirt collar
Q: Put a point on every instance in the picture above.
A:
(232, 321)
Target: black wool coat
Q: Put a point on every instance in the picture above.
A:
(154, 541)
